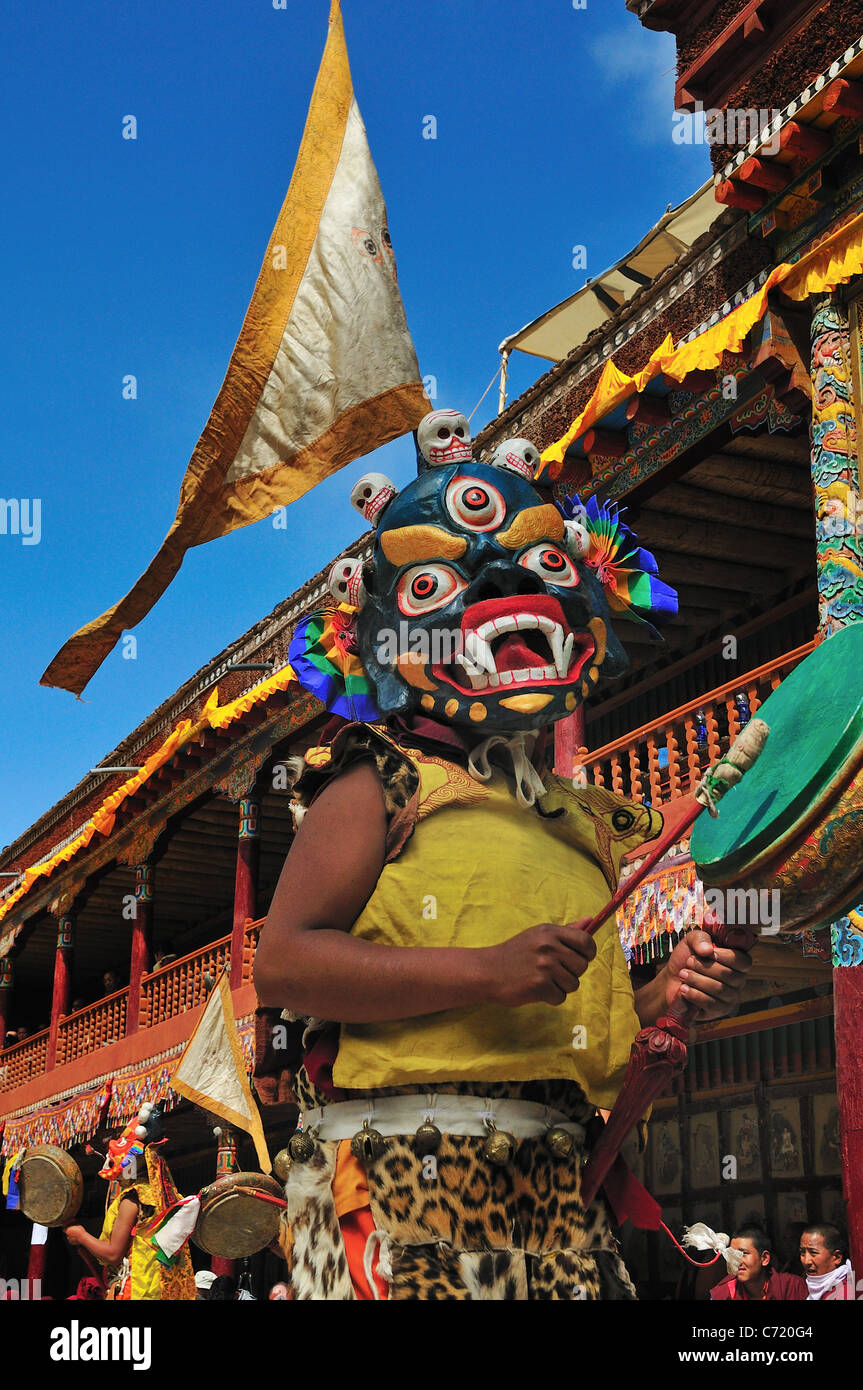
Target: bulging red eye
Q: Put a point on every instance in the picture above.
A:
(423, 588)
(474, 504)
(551, 565)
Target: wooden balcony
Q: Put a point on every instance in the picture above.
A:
(178, 987)
(25, 1060)
(166, 994)
(93, 1027)
(665, 759)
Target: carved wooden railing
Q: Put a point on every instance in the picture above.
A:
(666, 758)
(92, 1027)
(250, 945)
(25, 1060)
(181, 985)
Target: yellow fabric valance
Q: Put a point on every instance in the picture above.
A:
(833, 262)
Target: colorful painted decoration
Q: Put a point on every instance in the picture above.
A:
(324, 656)
(834, 471)
(628, 573)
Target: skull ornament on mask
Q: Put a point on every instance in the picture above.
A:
(444, 437)
(517, 456)
(345, 582)
(370, 494)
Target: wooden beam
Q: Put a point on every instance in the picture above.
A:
(804, 141)
(761, 173)
(719, 540)
(668, 673)
(648, 410)
(611, 444)
(734, 195)
(844, 99)
(698, 382)
(762, 480)
(722, 506)
(716, 574)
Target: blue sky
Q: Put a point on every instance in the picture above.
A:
(553, 130)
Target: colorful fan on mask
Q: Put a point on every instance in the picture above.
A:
(628, 573)
(324, 656)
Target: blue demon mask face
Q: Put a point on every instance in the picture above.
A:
(475, 610)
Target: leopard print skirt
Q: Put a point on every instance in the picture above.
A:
(454, 1226)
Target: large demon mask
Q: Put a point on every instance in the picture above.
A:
(484, 603)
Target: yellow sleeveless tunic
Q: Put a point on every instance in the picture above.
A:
(477, 869)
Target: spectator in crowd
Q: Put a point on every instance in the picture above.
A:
(756, 1279)
(222, 1290)
(165, 954)
(204, 1280)
(110, 982)
(829, 1276)
(78, 1004)
(11, 1038)
(22, 1033)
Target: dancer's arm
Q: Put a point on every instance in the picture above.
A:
(307, 960)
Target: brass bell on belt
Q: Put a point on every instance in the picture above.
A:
(498, 1147)
(282, 1164)
(560, 1142)
(368, 1144)
(427, 1139)
(301, 1146)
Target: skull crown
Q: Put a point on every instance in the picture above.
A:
(345, 582)
(370, 495)
(517, 456)
(444, 437)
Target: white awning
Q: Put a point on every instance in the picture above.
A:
(555, 333)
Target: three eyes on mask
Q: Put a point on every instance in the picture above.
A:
(477, 507)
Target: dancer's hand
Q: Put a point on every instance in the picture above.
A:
(708, 977)
(541, 965)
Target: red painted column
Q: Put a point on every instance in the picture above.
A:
(141, 957)
(7, 972)
(848, 1006)
(246, 882)
(568, 742)
(226, 1162)
(62, 996)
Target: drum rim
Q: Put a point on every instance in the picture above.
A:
(756, 855)
(69, 1169)
(807, 805)
(228, 1195)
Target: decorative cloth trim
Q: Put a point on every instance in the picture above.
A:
(467, 1116)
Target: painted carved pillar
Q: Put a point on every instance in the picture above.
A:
(6, 979)
(142, 926)
(226, 1163)
(246, 882)
(839, 538)
(835, 471)
(62, 996)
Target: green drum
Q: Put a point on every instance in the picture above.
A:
(795, 821)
